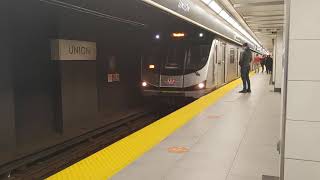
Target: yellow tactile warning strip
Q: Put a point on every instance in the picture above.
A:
(107, 162)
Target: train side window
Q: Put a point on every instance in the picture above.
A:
(232, 56)
(216, 51)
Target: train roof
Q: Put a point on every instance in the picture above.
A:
(199, 14)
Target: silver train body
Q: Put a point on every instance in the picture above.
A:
(221, 67)
(218, 67)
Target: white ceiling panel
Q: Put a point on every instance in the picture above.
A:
(263, 17)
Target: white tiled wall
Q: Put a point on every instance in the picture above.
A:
(304, 62)
(303, 140)
(304, 100)
(302, 152)
(305, 17)
(302, 170)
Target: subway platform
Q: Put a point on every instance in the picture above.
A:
(234, 139)
(222, 136)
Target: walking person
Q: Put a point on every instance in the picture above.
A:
(256, 64)
(244, 63)
(263, 63)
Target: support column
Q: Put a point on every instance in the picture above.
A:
(302, 123)
(278, 73)
(7, 116)
(274, 61)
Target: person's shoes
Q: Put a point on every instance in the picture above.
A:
(249, 91)
(243, 91)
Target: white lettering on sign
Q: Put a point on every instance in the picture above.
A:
(73, 50)
(184, 5)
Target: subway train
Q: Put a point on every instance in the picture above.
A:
(191, 61)
(189, 64)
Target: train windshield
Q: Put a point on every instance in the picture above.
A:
(175, 59)
(179, 53)
(153, 58)
(197, 58)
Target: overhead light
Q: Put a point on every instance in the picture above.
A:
(158, 36)
(206, 1)
(219, 10)
(232, 22)
(215, 7)
(201, 34)
(152, 66)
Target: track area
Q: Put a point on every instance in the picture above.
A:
(107, 162)
(87, 144)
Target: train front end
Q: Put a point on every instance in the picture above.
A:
(176, 65)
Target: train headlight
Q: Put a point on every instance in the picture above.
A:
(201, 85)
(144, 84)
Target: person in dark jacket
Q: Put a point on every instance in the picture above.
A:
(269, 64)
(245, 61)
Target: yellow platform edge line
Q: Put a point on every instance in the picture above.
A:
(109, 161)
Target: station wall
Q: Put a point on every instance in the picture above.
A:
(302, 124)
(44, 102)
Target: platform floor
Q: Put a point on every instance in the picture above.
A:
(235, 139)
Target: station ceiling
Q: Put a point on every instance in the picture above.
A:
(264, 18)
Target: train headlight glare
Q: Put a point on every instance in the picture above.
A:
(144, 84)
(201, 85)
(152, 66)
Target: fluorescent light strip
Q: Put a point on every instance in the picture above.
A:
(215, 7)
(206, 1)
(218, 9)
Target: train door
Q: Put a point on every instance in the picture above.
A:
(238, 59)
(224, 62)
(228, 64)
(240, 54)
(214, 73)
(220, 64)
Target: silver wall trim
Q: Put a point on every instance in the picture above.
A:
(285, 89)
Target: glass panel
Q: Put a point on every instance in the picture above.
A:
(198, 57)
(232, 56)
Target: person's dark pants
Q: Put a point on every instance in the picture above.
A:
(245, 78)
(269, 69)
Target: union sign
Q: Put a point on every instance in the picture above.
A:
(73, 50)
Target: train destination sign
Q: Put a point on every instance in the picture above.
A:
(73, 50)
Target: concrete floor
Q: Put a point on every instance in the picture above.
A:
(234, 139)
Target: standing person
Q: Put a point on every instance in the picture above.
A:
(263, 63)
(269, 64)
(244, 63)
(256, 63)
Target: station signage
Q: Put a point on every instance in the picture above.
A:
(184, 5)
(73, 50)
(113, 78)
